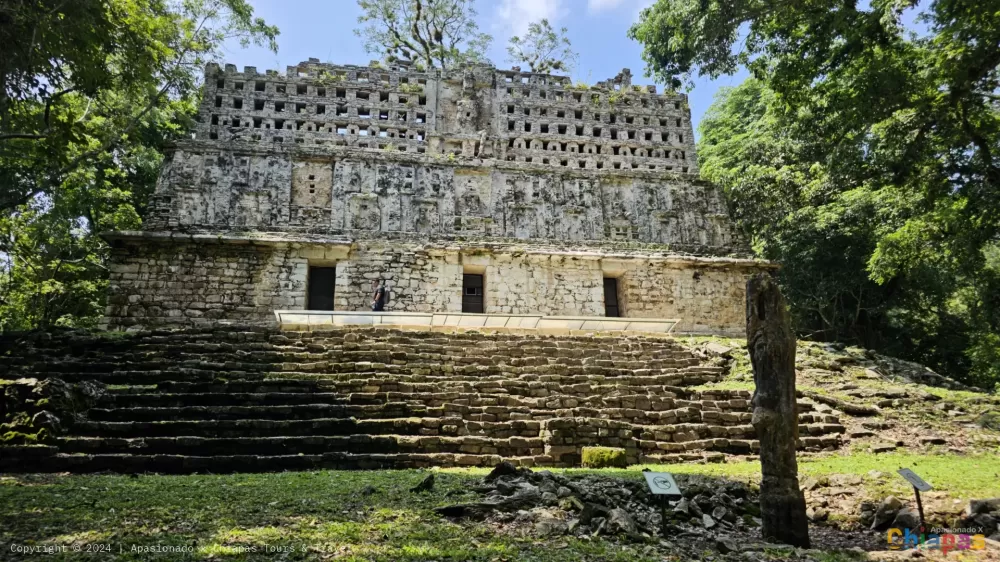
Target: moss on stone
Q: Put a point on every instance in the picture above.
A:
(604, 457)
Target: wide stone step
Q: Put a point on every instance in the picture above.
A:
(310, 445)
(320, 426)
(181, 464)
(256, 386)
(258, 412)
(175, 400)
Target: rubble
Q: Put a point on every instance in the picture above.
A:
(719, 514)
(984, 515)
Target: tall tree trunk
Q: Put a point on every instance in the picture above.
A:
(772, 351)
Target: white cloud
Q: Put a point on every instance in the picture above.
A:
(601, 5)
(595, 6)
(515, 15)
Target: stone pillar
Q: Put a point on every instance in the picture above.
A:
(772, 352)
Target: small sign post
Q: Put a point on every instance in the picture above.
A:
(662, 486)
(919, 485)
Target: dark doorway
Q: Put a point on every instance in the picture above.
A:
(611, 308)
(472, 293)
(321, 282)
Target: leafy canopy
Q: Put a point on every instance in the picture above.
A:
(543, 49)
(91, 91)
(861, 155)
(425, 33)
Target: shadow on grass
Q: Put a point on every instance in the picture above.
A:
(292, 516)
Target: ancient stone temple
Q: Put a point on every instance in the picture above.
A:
(472, 190)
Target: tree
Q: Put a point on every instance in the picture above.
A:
(425, 33)
(543, 49)
(90, 93)
(869, 164)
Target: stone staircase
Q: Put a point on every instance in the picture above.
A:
(240, 399)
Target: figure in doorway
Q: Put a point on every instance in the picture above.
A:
(378, 295)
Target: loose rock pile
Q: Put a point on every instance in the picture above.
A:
(985, 515)
(715, 514)
(980, 517)
(553, 504)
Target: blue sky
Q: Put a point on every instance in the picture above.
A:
(597, 28)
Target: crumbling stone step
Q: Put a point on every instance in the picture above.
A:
(282, 385)
(156, 399)
(388, 382)
(258, 412)
(319, 426)
(310, 445)
(150, 377)
(181, 464)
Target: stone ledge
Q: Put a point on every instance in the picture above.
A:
(316, 320)
(593, 250)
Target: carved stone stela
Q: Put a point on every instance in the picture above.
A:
(771, 343)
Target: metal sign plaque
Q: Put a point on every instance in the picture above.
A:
(662, 483)
(917, 481)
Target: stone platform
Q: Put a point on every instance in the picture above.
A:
(241, 399)
(310, 320)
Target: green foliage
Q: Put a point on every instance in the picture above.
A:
(603, 457)
(543, 49)
(86, 108)
(410, 88)
(862, 157)
(425, 33)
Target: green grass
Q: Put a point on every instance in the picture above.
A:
(236, 517)
(962, 477)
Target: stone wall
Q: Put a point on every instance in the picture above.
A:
(472, 111)
(212, 187)
(192, 284)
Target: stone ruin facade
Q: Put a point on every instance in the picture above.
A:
(475, 190)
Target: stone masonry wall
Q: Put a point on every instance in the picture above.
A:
(475, 152)
(216, 188)
(192, 285)
(200, 284)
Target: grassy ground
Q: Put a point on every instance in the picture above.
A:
(348, 515)
(307, 515)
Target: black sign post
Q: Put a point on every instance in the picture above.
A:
(919, 485)
(663, 487)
